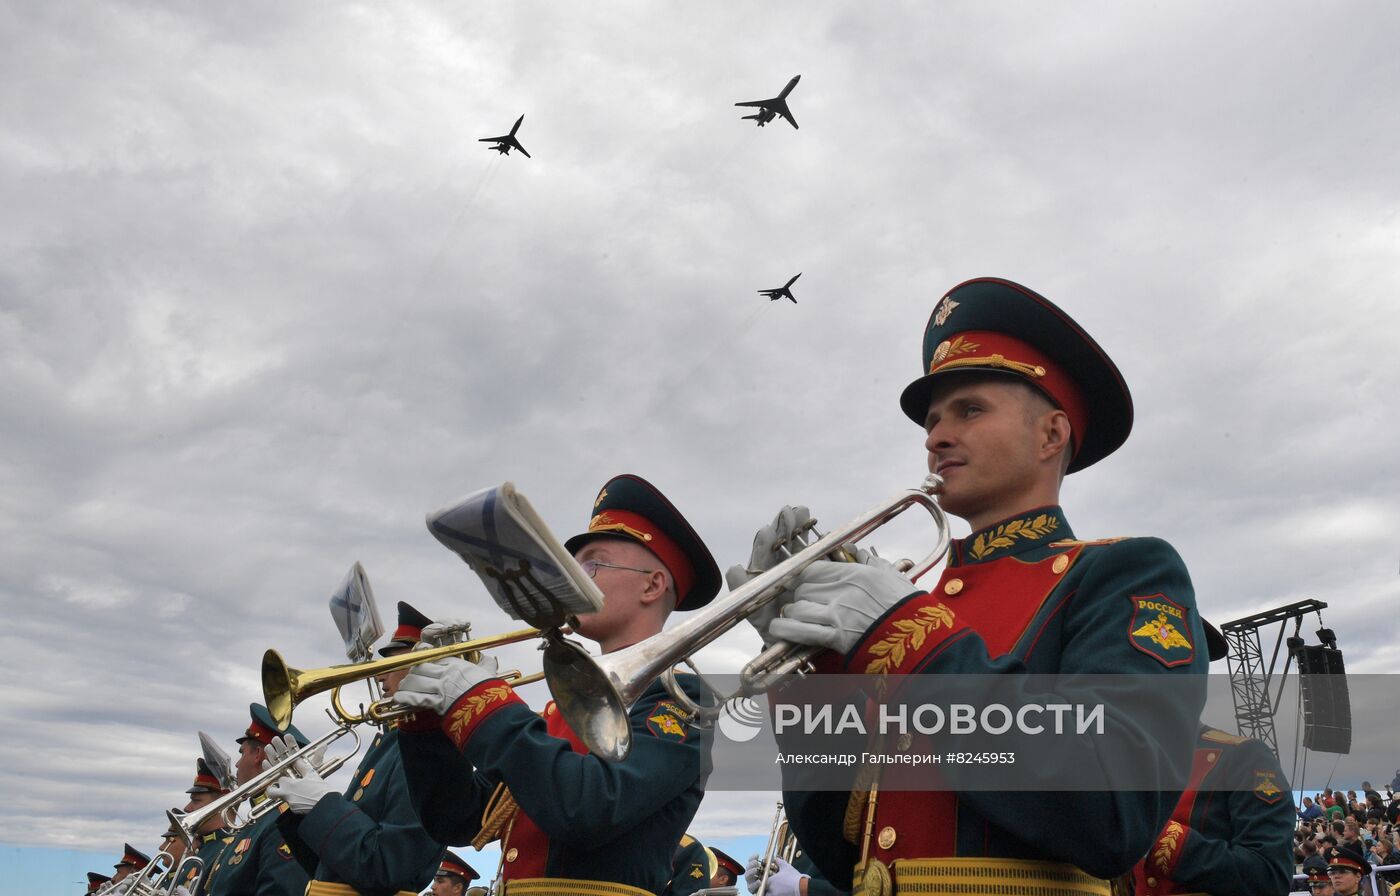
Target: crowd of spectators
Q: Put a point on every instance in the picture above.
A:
(1370, 823)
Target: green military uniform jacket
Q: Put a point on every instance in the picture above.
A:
(691, 868)
(1018, 598)
(257, 862)
(209, 848)
(369, 837)
(817, 885)
(1232, 832)
(579, 817)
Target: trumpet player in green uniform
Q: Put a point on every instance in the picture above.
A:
(211, 837)
(258, 861)
(366, 841)
(1013, 395)
(481, 764)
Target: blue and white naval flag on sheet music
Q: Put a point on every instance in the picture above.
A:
(527, 570)
(355, 614)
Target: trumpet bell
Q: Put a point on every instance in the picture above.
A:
(589, 697)
(279, 684)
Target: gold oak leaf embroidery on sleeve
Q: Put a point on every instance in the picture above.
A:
(890, 651)
(1006, 534)
(474, 707)
(1167, 846)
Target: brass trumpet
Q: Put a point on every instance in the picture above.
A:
(285, 687)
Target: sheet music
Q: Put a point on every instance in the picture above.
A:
(527, 571)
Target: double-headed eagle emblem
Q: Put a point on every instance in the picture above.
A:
(1162, 632)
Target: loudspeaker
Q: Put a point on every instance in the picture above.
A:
(1326, 704)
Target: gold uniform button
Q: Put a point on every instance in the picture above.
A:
(953, 586)
(1060, 565)
(511, 854)
(906, 740)
(886, 838)
(1210, 757)
(1152, 881)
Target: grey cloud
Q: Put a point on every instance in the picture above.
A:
(264, 301)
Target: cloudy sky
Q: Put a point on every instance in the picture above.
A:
(265, 301)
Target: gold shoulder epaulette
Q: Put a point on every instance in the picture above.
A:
(686, 839)
(1220, 737)
(1074, 542)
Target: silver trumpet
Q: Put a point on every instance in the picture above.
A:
(782, 844)
(149, 880)
(594, 693)
(160, 877)
(226, 807)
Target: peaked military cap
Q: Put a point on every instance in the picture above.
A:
(631, 508)
(1347, 858)
(409, 632)
(996, 326)
(205, 781)
(96, 880)
(172, 831)
(1216, 645)
(454, 865)
(727, 862)
(263, 729)
(131, 856)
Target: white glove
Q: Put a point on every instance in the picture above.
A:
(300, 794)
(431, 632)
(284, 745)
(835, 603)
(181, 891)
(437, 685)
(301, 786)
(786, 881)
(771, 545)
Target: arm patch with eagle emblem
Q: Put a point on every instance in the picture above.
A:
(667, 721)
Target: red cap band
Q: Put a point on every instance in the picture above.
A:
(983, 349)
(633, 525)
(260, 732)
(406, 632)
(451, 867)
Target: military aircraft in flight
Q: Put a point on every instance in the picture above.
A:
(770, 109)
(508, 142)
(782, 292)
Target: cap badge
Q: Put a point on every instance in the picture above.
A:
(601, 495)
(958, 345)
(945, 308)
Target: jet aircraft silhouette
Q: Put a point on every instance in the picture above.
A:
(508, 142)
(782, 292)
(769, 109)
